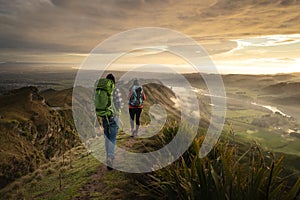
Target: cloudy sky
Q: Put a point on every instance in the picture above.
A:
(242, 36)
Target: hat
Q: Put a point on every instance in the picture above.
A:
(111, 77)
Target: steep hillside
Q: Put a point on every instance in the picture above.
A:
(61, 98)
(158, 94)
(31, 132)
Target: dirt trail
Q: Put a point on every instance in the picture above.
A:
(94, 185)
(105, 184)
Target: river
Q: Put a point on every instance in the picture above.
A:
(272, 108)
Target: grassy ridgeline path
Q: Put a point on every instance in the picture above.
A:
(104, 184)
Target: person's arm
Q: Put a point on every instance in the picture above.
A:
(144, 96)
(117, 99)
(128, 95)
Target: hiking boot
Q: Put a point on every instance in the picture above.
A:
(133, 133)
(109, 164)
(136, 131)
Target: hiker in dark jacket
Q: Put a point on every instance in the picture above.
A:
(135, 98)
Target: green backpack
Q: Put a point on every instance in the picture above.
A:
(103, 97)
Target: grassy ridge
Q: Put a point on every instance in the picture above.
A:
(231, 171)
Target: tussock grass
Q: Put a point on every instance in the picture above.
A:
(39, 176)
(230, 171)
(226, 173)
(44, 183)
(50, 171)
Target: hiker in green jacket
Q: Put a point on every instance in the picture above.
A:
(108, 107)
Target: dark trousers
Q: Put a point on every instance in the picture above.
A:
(135, 113)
